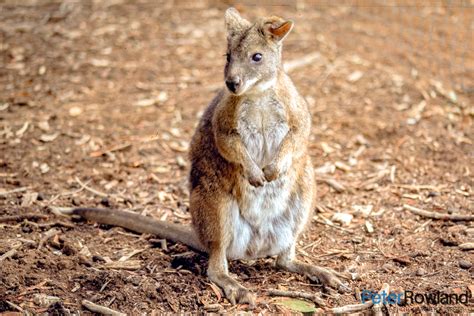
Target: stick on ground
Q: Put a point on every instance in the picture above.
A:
(355, 308)
(333, 183)
(4, 193)
(377, 308)
(441, 216)
(49, 234)
(352, 308)
(294, 294)
(100, 309)
(18, 218)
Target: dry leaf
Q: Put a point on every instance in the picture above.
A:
(355, 76)
(326, 168)
(100, 62)
(369, 227)
(342, 218)
(364, 210)
(49, 137)
(29, 198)
(22, 130)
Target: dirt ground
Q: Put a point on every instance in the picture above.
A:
(98, 102)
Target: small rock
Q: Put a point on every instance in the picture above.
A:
(75, 111)
(42, 70)
(464, 264)
(420, 272)
(44, 126)
(44, 168)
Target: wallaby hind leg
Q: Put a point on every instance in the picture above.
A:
(327, 277)
(219, 274)
(209, 210)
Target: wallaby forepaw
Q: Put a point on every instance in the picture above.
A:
(256, 177)
(271, 172)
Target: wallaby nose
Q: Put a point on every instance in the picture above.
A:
(233, 83)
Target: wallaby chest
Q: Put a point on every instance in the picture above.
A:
(262, 124)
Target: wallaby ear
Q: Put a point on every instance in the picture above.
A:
(234, 22)
(276, 28)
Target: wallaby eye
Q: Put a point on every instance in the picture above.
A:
(227, 56)
(257, 57)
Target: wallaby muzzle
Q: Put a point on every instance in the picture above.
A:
(233, 84)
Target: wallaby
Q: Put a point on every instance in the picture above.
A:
(252, 181)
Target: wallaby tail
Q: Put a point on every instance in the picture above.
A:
(138, 223)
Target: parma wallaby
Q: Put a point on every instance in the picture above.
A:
(252, 182)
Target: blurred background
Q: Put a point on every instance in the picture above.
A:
(99, 100)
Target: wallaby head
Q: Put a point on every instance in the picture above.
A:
(253, 52)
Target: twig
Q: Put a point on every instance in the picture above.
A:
(18, 308)
(49, 234)
(99, 193)
(17, 218)
(84, 186)
(100, 309)
(467, 246)
(3, 193)
(296, 294)
(110, 150)
(377, 308)
(50, 224)
(418, 187)
(352, 308)
(441, 216)
(54, 198)
(332, 225)
(360, 307)
(333, 183)
(8, 254)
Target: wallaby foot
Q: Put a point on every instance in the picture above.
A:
(235, 293)
(219, 274)
(326, 276)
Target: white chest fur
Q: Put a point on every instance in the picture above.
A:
(264, 220)
(262, 125)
